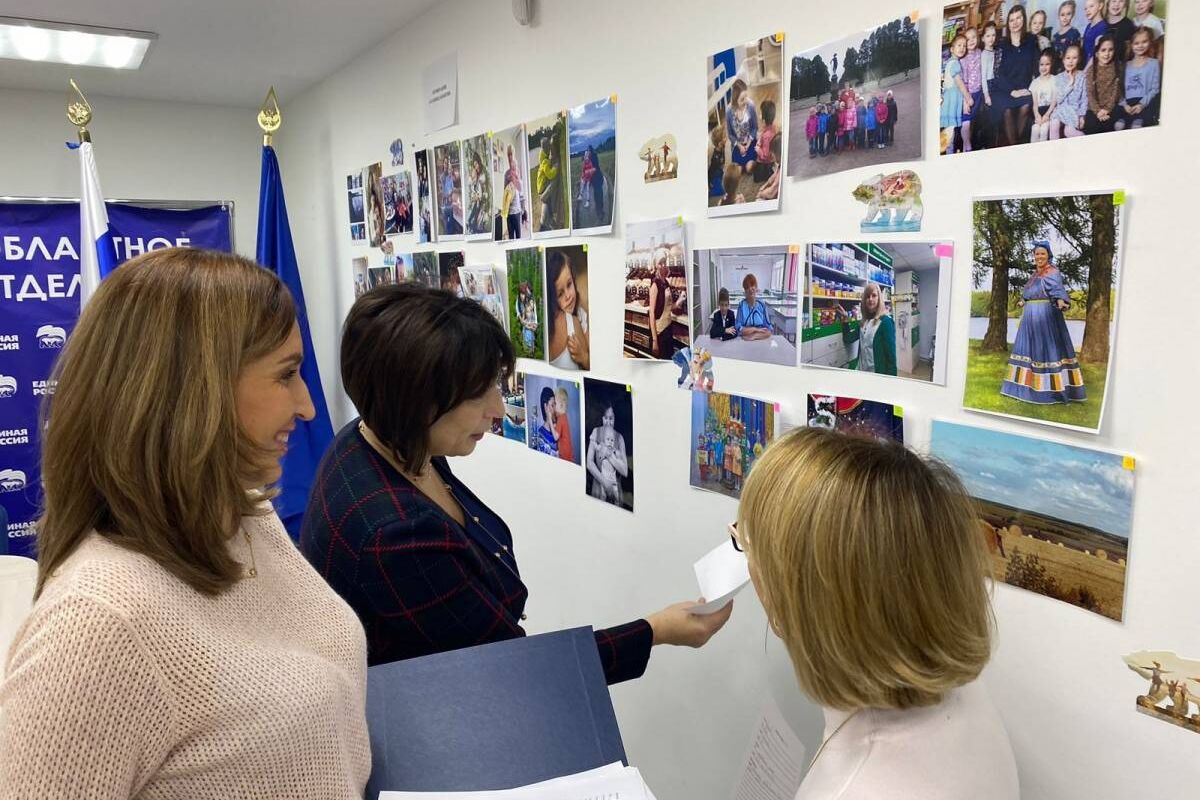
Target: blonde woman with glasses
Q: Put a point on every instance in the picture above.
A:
(180, 645)
(868, 561)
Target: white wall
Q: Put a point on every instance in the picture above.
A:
(144, 150)
(1057, 676)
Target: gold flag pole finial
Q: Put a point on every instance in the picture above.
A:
(79, 112)
(269, 116)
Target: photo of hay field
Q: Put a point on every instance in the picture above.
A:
(1055, 517)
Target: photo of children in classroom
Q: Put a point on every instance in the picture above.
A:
(745, 303)
(1018, 72)
(856, 102)
(745, 127)
(728, 434)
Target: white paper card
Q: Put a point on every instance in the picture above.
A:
(774, 764)
(439, 93)
(612, 782)
(722, 573)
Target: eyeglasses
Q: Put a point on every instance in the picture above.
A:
(733, 537)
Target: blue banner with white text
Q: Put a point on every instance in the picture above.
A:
(39, 304)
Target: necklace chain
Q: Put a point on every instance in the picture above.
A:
(253, 571)
(829, 739)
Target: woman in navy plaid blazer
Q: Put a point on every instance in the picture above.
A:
(424, 562)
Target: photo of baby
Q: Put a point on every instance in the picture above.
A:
(553, 416)
(608, 418)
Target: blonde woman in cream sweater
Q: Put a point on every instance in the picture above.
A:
(179, 646)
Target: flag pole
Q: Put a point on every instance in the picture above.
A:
(269, 117)
(79, 112)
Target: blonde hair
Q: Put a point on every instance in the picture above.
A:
(143, 443)
(870, 566)
(562, 394)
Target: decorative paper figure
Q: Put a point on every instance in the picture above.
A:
(856, 102)
(660, 155)
(1056, 518)
(396, 148)
(695, 369)
(893, 203)
(1173, 690)
(1046, 273)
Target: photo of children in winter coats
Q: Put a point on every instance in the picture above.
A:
(608, 457)
(856, 102)
(728, 434)
(1025, 71)
(745, 126)
(592, 140)
(510, 185)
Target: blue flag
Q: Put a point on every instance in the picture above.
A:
(309, 440)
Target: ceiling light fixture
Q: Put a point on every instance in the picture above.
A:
(78, 45)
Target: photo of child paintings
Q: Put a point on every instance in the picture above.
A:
(1173, 689)
(1024, 71)
(608, 446)
(526, 298)
(728, 434)
(745, 303)
(745, 137)
(448, 191)
(661, 157)
(477, 161)
(512, 424)
(856, 102)
(856, 417)
(396, 148)
(397, 204)
(1056, 518)
(879, 307)
(510, 185)
(425, 231)
(360, 271)
(553, 416)
(358, 208)
(592, 147)
(1044, 307)
(373, 190)
(480, 284)
(380, 276)
(656, 296)
(568, 342)
(448, 265)
(425, 269)
(549, 177)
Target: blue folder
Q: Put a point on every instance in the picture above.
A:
(496, 716)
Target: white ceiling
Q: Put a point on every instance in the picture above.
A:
(223, 52)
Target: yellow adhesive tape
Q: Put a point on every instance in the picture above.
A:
(898, 411)
(612, 99)
(1119, 197)
(1128, 463)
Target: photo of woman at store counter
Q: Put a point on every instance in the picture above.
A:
(876, 335)
(422, 368)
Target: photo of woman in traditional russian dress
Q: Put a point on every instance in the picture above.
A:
(1043, 367)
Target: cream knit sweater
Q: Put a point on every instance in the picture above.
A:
(126, 683)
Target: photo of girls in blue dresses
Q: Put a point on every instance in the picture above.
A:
(856, 102)
(745, 127)
(476, 156)
(552, 414)
(1024, 71)
(448, 195)
(592, 142)
(729, 433)
(1044, 307)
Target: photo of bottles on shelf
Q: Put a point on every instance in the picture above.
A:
(656, 296)
(873, 307)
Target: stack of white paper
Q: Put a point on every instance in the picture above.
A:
(613, 782)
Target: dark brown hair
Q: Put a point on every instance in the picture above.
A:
(410, 354)
(143, 443)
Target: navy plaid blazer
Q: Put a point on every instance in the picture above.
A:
(420, 582)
